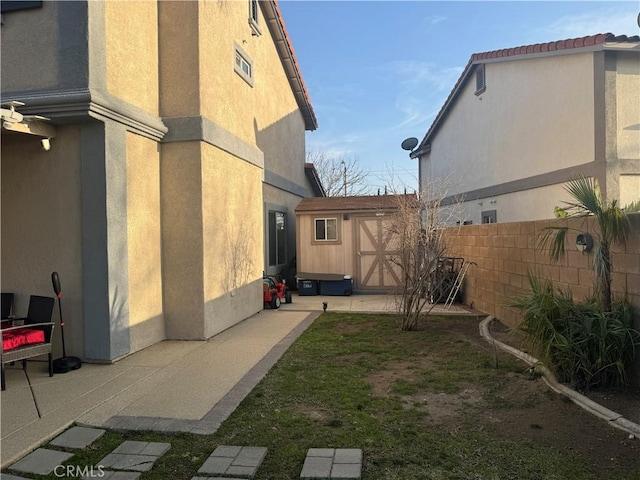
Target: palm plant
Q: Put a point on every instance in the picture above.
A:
(613, 228)
(583, 345)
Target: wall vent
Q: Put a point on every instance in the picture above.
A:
(481, 81)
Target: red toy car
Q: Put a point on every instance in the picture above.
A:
(274, 290)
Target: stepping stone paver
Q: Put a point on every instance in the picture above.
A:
(78, 437)
(233, 461)
(330, 463)
(41, 461)
(6, 476)
(109, 475)
(138, 456)
(209, 478)
(130, 447)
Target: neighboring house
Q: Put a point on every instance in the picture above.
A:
(177, 162)
(349, 236)
(521, 121)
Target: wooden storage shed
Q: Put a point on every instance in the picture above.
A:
(348, 236)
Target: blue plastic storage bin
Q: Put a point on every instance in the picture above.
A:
(336, 287)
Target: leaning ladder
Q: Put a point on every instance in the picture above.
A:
(457, 284)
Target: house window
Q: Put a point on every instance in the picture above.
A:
(243, 65)
(481, 81)
(326, 229)
(489, 216)
(277, 238)
(253, 17)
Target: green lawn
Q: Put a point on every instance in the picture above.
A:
(438, 403)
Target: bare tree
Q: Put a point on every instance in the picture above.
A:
(340, 175)
(419, 239)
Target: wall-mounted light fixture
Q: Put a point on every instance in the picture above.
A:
(14, 121)
(584, 242)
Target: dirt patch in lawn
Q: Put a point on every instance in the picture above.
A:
(316, 414)
(440, 406)
(520, 407)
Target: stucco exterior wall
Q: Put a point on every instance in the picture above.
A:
(182, 242)
(41, 227)
(232, 239)
(31, 61)
(146, 319)
(537, 203)
(628, 106)
(225, 96)
(508, 132)
(179, 53)
(131, 42)
(629, 188)
(628, 127)
(263, 114)
(212, 239)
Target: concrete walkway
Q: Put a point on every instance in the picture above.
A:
(190, 386)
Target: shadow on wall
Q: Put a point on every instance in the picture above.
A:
(285, 181)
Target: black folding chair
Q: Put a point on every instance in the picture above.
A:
(38, 318)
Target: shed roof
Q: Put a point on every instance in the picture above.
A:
(349, 204)
(600, 41)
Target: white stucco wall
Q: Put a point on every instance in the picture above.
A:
(535, 116)
(532, 204)
(628, 106)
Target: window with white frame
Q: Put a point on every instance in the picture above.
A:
(489, 216)
(326, 229)
(243, 65)
(254, 12)
(277, 238)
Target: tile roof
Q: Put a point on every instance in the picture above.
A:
(580, 42)
(276, 23)
(358, 203)
(588, 42)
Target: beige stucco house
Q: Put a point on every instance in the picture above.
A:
(175, 163)
(521, 121)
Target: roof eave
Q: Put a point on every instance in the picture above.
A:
(314, 178)
(273, 17)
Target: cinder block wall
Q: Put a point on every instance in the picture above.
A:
(505, 252)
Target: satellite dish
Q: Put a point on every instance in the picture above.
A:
(409, 144)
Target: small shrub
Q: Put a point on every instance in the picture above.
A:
(581, 343)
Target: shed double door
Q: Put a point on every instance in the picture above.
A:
(374, 254)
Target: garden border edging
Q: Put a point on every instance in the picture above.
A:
(614, 419)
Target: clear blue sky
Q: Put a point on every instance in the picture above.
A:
(379, 71)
